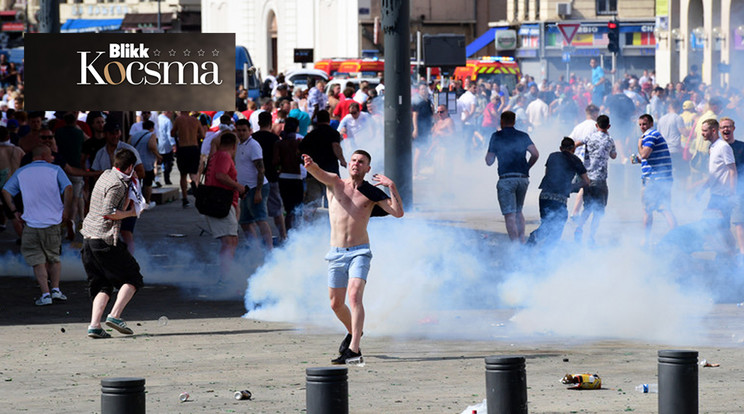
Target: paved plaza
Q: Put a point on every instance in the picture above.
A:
(434, 365)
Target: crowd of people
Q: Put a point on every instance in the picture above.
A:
(681, 134)
(93, 173)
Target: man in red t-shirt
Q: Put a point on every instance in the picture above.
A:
(342, 109)
(221, 172)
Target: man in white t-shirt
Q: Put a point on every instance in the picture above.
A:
(361, 94)
(672, 128)
(466, 105)
(579, 134)
(250, 165)
(355, 124)
(721, 180)
(166, 144)
(268, 105)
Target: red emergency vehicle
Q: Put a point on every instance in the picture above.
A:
(500, 69)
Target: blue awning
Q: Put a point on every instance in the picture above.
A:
(90, 25)
(482, 41)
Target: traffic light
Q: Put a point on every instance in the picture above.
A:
(613, 35)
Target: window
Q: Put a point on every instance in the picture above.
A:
(606, 7)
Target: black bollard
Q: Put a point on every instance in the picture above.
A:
(678, 382)
(327, 390)
(506, 385)
(123, 396)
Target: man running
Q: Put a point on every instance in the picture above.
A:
(350, 204)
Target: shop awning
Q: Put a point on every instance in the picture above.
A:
(90, 25)
(484, 40)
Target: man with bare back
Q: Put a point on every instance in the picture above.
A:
(351, 202)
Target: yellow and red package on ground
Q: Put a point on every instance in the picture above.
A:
(583, 381)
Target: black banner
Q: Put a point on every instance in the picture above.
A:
(130, 71)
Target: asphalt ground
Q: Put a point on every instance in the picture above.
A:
(209, 350)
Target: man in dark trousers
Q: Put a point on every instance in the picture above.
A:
(106, 259)
(560, 169)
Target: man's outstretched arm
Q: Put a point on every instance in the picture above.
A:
(392, 205)
(329, 179)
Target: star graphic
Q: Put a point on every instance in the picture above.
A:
(172, 52)
(187, 52)
(156, 52)
(215, 52)
(200, 52)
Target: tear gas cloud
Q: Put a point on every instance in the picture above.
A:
(430, 279)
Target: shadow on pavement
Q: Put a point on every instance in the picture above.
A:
(17, 295)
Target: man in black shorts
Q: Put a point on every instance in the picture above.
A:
(187, 130)
(106, 259)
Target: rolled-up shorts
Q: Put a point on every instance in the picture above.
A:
(40, 246)
(737, 215)
(251, 212)
(595, 196)
(723, 204)
(511, 193)
(274, 205)
(109, 267)
(149, 178)
(78, 183)
(346, 262)
(656, 195)
(187, 159)
(221, 227)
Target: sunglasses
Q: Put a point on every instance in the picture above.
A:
(46, 136)
(441, 112)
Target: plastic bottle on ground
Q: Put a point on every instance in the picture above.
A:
(647, 388)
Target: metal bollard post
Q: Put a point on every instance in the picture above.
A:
(678, 382)
(123, 396)
(327, 390)
(506, 385)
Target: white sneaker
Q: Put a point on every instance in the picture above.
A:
(152, 205)
(44, 300)
(58, 295)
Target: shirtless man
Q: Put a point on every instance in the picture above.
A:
(350, 204)
(187, 130)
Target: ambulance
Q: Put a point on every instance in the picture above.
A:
(329, 66)
(360, 68)
(501, 69)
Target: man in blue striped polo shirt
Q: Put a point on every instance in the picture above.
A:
(656, 173)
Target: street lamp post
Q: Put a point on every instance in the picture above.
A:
(398, 159)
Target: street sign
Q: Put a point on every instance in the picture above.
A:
(568, 30)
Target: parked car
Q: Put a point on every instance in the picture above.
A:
(300, 78)
(245, 72)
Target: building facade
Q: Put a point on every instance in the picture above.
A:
(543, 52)
(706, 33)
(272, 29)
(118, 15)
